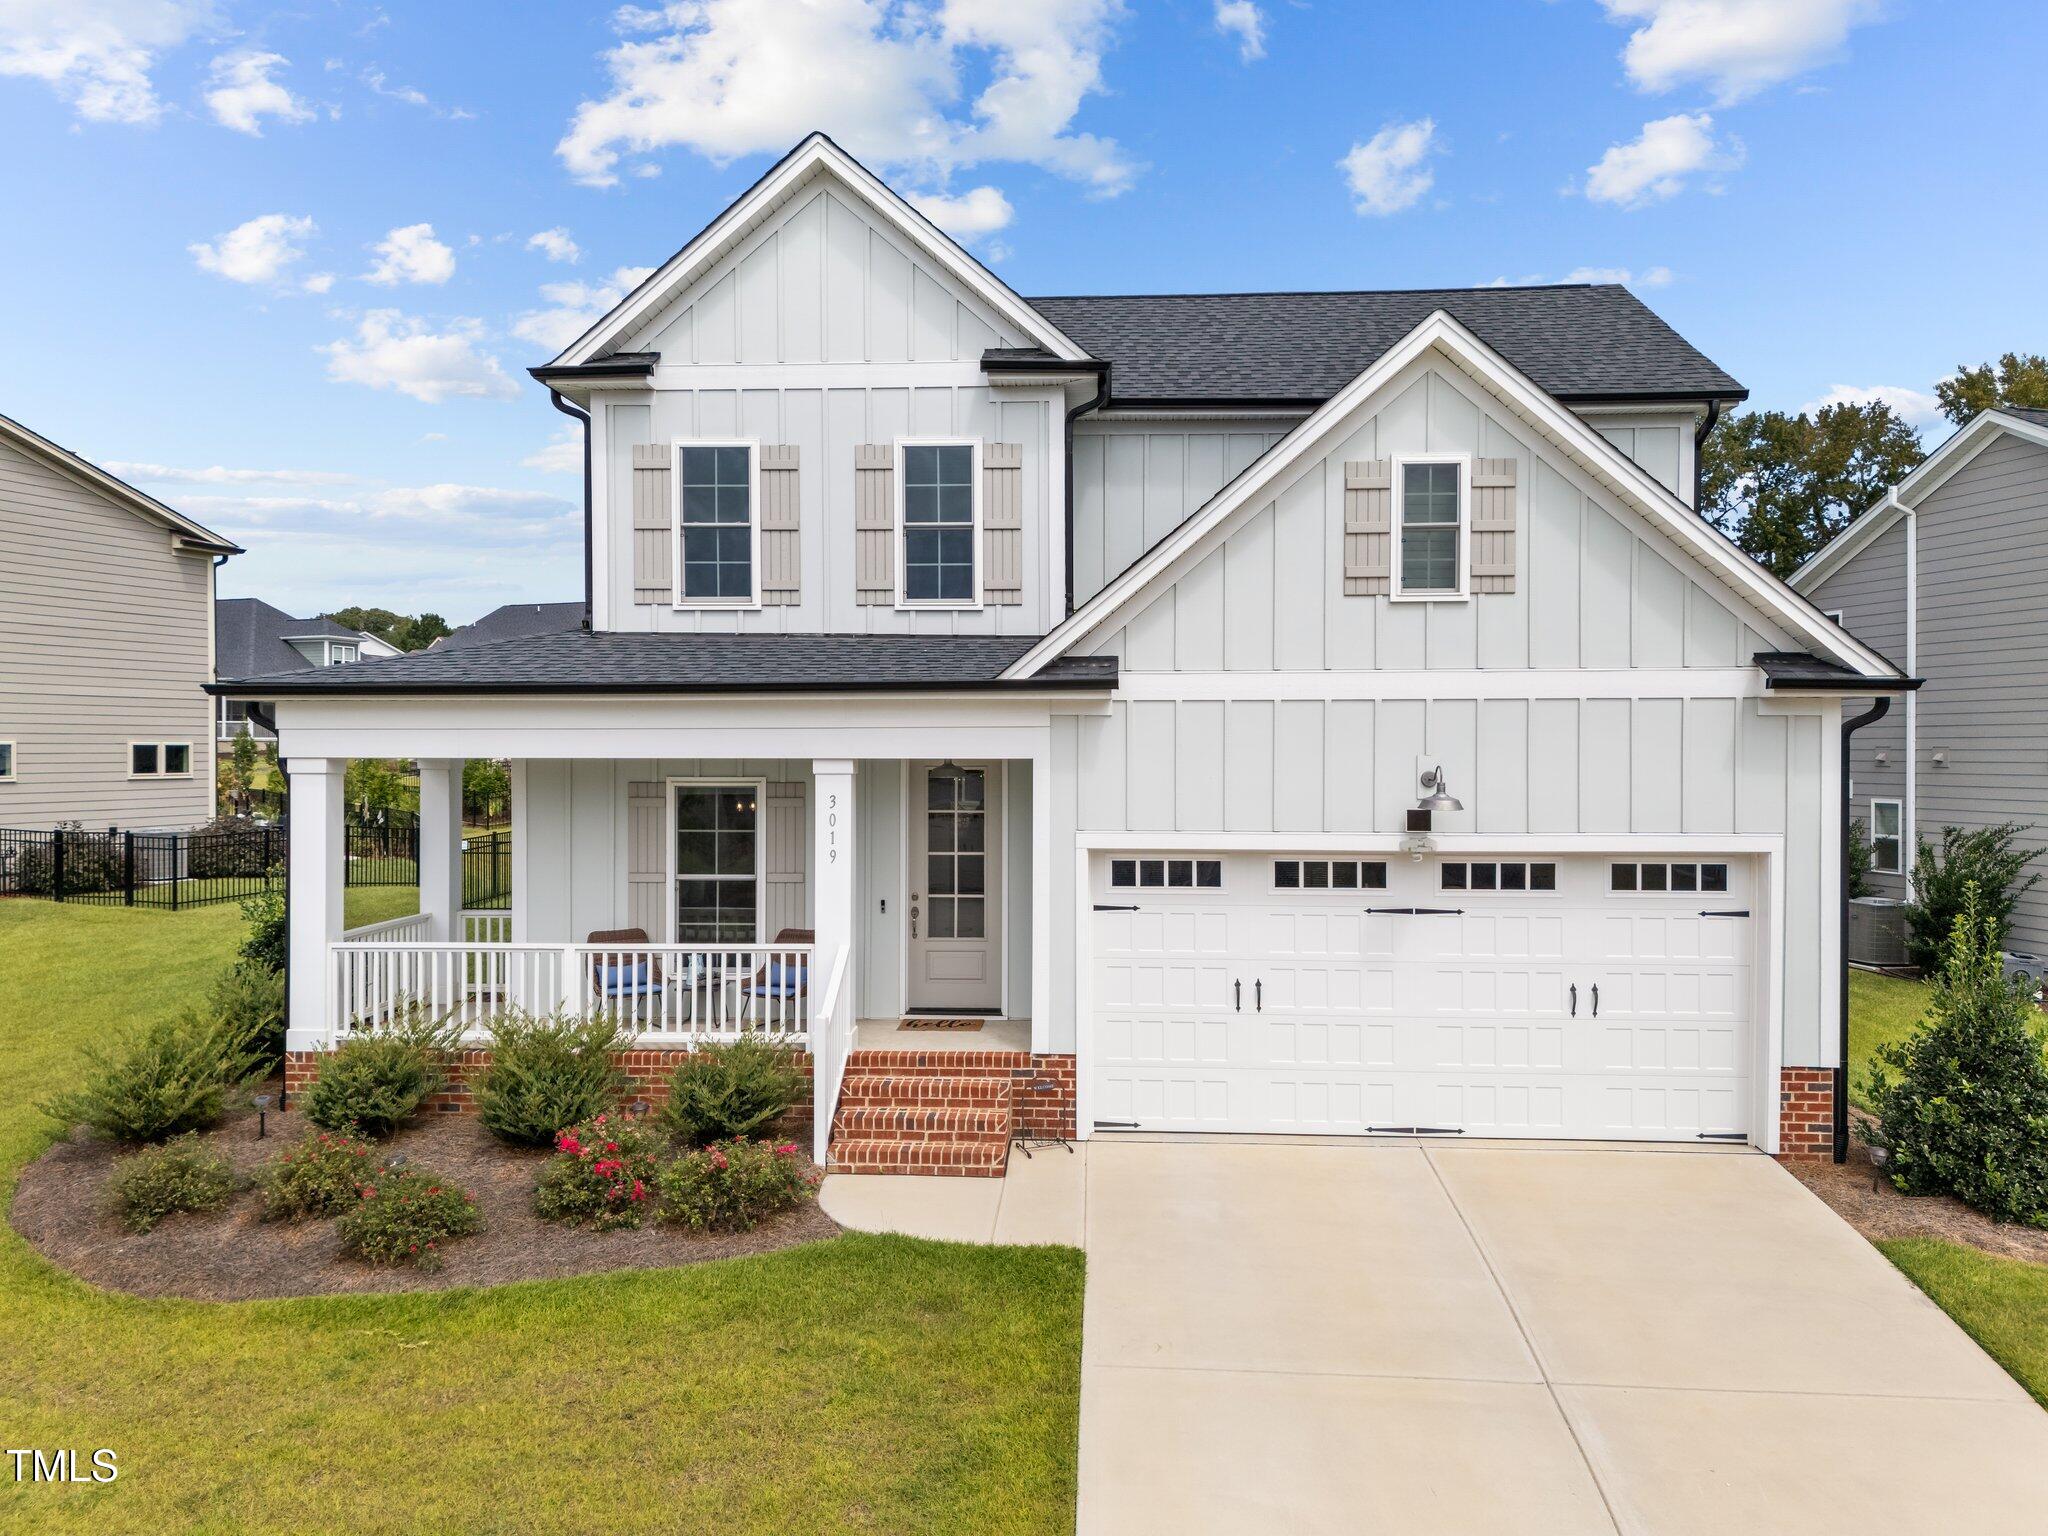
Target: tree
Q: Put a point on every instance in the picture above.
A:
(1781, 486)
(2018, 378)
(407, 632)
(1983, 870)
(373, 784)
(486, 785)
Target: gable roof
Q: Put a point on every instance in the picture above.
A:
(1605, 463)
(1951, 457)
(817, 155)
(251, 636)
(514, 621)
(1583, 342)
(195, 537)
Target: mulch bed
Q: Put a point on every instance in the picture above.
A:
(1884, 1213)
(234, 1255)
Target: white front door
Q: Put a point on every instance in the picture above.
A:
(1569, 996)
(956, 912)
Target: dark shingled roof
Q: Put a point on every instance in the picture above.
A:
(2026, 413)
(249, 637)
(581, 662)
(514, 621)
(1581, 342)
(1802, 673)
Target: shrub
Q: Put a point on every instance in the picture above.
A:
(732, 1186)
(379, 1080)
(226, 846)
(732, 1091)
(180, 1175)
(404, 1215)
(1962, 1103)
(1859, 860)
(548, 1073)
(318, 1177)
(269, 940)
(1984, 858)
(175, 1075)
(602, 1174)
(93, 862)
(250, 999)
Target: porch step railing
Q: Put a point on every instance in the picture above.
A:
(831, 1044)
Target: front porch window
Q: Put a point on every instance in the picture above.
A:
(717, 830)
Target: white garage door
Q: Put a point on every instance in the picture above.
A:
(1574, 996)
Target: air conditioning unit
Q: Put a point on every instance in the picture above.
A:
(1877, 931)
(2030, 969)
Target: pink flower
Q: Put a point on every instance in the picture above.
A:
(718, 1161)
(787, 1149)
(639, 1190)
(367, 1191)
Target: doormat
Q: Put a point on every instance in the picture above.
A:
(926, 1022)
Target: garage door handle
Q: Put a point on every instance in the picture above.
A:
(1259, 996)
(1237, 988)
(1596, 999)
(1742, 912)
(1100, 907)
(1575, 999)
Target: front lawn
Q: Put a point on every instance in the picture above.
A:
(2001, 1303)
(863, 1384)
(1883, 1010)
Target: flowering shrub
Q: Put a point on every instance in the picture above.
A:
(731, 1186)
(404, 1216)
(180, 1175)
(319, 1177)
(602, 1174)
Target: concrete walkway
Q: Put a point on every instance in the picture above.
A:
(1486, 1338)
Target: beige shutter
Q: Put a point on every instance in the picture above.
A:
(653, 531)
(647, 860)
(787, 835)
(1002, 524)
(1368, 527)
(874, 524)
(781, 551)
(1493, 525)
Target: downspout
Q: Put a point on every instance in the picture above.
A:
(1093, 403)
(568, 408)
(1875, 713)
(1699, 448)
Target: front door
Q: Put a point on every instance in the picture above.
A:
(956, 908)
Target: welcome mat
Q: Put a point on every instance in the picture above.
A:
(926, 1022)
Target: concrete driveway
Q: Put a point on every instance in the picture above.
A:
(1494, 1339)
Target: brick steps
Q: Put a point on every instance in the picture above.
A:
(944, 1113)
(873, 1122)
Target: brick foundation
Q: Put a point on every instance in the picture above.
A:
(1806, 1112)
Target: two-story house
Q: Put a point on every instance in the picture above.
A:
(1228, 713)
(106, 646)
(252, 638)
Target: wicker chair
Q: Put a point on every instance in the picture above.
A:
(611, 978)
(780, 980)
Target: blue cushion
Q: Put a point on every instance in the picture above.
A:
(621, 979)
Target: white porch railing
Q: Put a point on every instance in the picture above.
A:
(413, 927)
(832, 1025)
(675, 994)
(486, 926)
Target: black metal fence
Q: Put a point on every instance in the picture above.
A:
(487, 870)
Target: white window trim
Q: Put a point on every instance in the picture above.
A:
(161, 771)
(1899, 836)
(1191, 859)
(1463, 592)
(1274, 887)
(1836, 615)
(13, 762)
(675, 525)
(719, 781)
(954, 605)
(1497, 889)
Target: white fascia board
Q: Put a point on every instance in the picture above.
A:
(1608, 465)
(815, 155)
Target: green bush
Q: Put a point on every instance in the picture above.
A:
(548, 1073)
(1962, 1103)
(1984, 858)
(730, 1092)
(379, 1080)
(93, 862)
(602, 1174)
(180, 1175)
(269, 941)
(318, 1177)
(404, 1215)
(1859, 860)
(732, 1186)
(250, 999)
(172, 1076)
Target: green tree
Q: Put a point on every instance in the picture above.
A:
(486, 784)
(2017, 378)
(374, 784)
(1781, 486)
(409, 632)
(245, 759)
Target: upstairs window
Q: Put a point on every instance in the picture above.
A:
(1429, 528)
(716, 526)
(940, 522)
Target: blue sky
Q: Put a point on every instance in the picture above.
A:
(286, 272)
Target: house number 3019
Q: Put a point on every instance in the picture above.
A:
(832, 829)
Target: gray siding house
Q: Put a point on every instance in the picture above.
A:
(1943, 576)
(252, 636)
(106, 646)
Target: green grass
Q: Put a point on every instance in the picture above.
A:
(865, 1384)
(1883, 1010)
(2001, 1303)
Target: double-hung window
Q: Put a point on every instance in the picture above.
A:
(1887, 837)
(717, 529)
(718, 863)
(940, 524)
(1429, 528)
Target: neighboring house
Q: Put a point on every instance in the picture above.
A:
(514, 621)
(1942, 576)
(106, 646)
(1076, 667)
(252, 638)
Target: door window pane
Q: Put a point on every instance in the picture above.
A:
(956, 866)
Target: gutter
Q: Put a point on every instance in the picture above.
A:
(1871, 716)
(569, 408)
(1093, 403)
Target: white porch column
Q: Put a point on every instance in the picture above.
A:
(318, 859)
(832, 865)
(441, 847)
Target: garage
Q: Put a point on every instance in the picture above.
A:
(1527, 996)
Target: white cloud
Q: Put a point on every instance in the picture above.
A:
(97, 54)
(555, 244)
(257, 251)
(1659, 162)
(318, 282)
(241, 93)
(1737, 47)
(380, 84)
(1387, 172)
(968, 217)
(220, 474)
(1650, 277)
(1244, 21)
(1919, 408)
(573, 307)
(562, 456)
(411, 255)
(391, 350)
(727, 78)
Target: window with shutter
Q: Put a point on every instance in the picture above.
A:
(717, 524)
(940, 513)
(1368, 527)
(874, 524)
(1429, 515)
